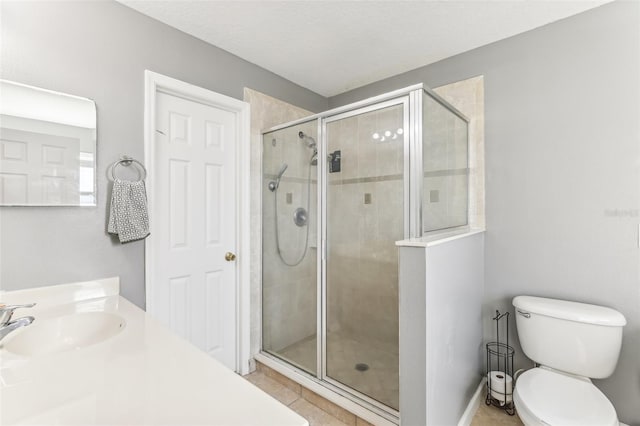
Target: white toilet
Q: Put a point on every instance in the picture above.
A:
(571, 342)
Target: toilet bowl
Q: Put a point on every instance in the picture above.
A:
(571, 342)
(545, 397)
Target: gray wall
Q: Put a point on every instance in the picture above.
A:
(562, 111)
(455, 283)
(412, 294)
(440, 329)
(100, 50)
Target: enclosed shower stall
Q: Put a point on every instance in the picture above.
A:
(339, 189)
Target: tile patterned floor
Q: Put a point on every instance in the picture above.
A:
(320, 412)
(294, 400)
(493, 416)
(380, 381)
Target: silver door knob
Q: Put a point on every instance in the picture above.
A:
(229, 257)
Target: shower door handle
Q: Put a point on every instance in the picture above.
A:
(229, 257)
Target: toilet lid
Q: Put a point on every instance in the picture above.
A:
(557, 399)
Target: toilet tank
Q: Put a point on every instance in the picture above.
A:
(573, 337)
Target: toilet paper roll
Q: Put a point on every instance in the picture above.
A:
(501, 385)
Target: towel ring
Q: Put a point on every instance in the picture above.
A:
(126, 161)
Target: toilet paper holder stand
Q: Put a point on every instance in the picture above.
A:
(500, 382)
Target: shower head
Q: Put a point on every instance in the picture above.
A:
(274, 184)
(311, 142)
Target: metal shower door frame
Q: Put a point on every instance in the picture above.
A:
(411, 98)
(403, 99)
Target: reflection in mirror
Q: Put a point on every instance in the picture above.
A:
(47, 147)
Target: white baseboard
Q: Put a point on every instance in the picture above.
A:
(474, 403)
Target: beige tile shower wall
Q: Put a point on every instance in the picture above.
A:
(362, 264)
(289, 292)
(445, 203)
(266, 112)
(468, 97)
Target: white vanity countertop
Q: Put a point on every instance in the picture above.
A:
(144, 375)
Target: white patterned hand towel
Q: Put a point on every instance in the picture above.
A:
(128, 216)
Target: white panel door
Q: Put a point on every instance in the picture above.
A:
(195, 222)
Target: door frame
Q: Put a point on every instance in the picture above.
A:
(154, 83)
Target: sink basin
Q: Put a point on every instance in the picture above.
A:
(64, 333)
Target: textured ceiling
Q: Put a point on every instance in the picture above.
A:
(330, 47)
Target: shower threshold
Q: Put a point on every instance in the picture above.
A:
(352, 401)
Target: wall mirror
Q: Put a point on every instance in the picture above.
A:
(47, 147)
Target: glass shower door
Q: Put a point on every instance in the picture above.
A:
(365, 216)
(289, 249)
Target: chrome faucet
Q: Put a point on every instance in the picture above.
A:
(6, 325)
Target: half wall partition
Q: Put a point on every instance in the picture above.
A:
(339, 189)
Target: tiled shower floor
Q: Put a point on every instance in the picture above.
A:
(379, 382)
